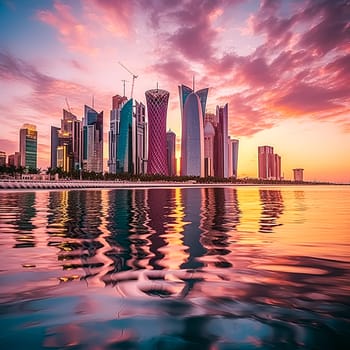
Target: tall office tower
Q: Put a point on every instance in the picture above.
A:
(209, 135)
(192, 138)
(2, 158)
(28, 143)
(157, 105)
(298, 174)
(113, 134)
(184, 92)
(124, 145)
(266, 161)
(92, 153)
(277, 167)
(221, 142)
(68, 146)
(192, 141)
(140, 139)
(171, 152)
(232, 157)
(54, 144)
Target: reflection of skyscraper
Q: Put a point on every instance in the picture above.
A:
(192, 198)
(232, 157)
(192, 105)
(92, 140)
(28, 140)
(272, 208)
(157, 104)
(171, 152)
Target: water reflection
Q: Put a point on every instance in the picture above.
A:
(175, 268)
(272, 209)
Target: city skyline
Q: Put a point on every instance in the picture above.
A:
(282, 66)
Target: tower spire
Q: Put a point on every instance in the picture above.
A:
(193, 83)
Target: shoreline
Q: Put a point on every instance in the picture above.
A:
(86, 184)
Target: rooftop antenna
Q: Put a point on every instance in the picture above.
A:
(93, 101)
(124, 81)
(68, 106)
(157, 86)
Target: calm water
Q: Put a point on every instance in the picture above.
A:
(210, 268)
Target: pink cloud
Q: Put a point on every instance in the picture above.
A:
(116, 16)
(72, 32)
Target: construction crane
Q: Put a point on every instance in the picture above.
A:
(133, 78)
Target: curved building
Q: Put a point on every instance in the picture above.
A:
(124, 148)
(157, 105)
(192, 141)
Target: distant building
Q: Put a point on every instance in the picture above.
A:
(14, 159)
(221, 142)
(28, 146)
(140, 139)
(171, 152)
(157, 105)
(277, 167)
(209, 135)
(54, 144)
(114, 129)
(2, 158)
(232, 157)
(266, 163)
(298, 174)
(92, 153)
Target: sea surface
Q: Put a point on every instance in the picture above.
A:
(244, 267)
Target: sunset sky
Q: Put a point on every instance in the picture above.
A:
(283, 67)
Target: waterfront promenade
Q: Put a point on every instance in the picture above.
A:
(76, 184)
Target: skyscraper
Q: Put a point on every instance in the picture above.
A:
(92, 154)
(192, 138)
(124, 148)
(192, 141)
(171, 152)
(209, 135)
(28, 143)
(221, 142)
(113, 134)
(269, 164)
(140, 135)
(157, 105)
(232, 157)
(54, 144)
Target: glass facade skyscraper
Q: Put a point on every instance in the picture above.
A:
(157, 105)
(192, 106)
(171, 152)
(92, 154)
(124, 148)
(28, 145)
